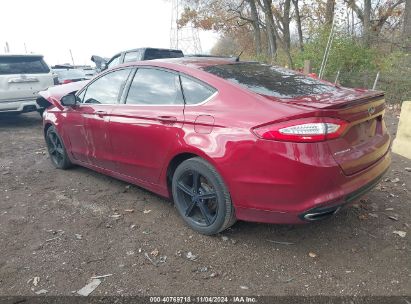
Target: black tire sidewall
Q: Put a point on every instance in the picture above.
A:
(66, 162)
(219, 187)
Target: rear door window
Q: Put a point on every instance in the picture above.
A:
(270, 80)
(194, 91)
(22, 65)
(106, 89)
(155, 87)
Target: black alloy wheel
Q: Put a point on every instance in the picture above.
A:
(201, 197)
(56, 149)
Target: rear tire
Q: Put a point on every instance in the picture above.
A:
(57, 150)
(201, 197)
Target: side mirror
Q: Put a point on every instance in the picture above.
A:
(69, 100)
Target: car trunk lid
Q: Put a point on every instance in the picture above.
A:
(366, 139)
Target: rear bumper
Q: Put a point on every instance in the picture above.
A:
(303, 192)
(20, 106)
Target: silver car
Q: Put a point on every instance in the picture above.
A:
(21, 78)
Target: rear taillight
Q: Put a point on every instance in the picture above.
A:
(66, 81)
(303, 130)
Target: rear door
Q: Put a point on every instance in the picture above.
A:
(143, 130)
(22, 77)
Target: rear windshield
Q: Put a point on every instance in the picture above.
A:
(150, 54)
(270, 80)
(22, 65)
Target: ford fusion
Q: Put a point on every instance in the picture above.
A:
(224, 140)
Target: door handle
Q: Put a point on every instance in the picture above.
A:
(168, 120)
(100, 113)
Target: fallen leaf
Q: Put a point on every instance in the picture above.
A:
(312, 255)
(400, 233)
(154, 252)
(36, 280)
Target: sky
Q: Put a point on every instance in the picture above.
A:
(87, 27)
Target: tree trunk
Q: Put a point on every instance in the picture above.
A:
(367, 23)
(286, 24)
(269, 21)
(299, 28)
(256, 27)
(406, 30)
(329, 12)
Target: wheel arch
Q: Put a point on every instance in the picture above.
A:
(178, 158)
(47, 125)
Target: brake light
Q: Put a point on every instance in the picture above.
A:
(67, 81)
(303, 130)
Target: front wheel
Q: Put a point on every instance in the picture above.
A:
(57, 151)
(201, 197)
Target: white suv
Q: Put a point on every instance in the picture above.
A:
(21, 78)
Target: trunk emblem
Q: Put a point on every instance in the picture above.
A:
(371, 110)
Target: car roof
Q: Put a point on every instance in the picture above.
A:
(21, 55)
(196, 62)
(144, 48)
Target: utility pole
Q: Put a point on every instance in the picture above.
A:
(185, 37)
(71, 54)
(25, 47)
(7, 48)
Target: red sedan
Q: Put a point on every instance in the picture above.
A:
(225, 140)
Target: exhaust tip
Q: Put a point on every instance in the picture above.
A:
(318, 214)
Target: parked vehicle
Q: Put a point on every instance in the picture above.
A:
(63, 76)
(136, 55)
(90, 72)
(21, 78)
(226, 140)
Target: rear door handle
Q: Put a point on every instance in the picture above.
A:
(100, 113)
(168, 120)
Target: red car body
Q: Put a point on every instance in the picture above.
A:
(269, 180)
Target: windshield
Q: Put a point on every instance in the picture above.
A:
(70, 74)
(22, 65)
(270, 80)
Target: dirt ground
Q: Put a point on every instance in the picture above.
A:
(60, 228)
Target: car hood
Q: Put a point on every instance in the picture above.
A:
(54, 94)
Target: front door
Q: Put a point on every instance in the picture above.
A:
(89, 138)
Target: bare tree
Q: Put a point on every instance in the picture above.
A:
(256, 26)
(270, 27)
(299, 26)
(372, 25)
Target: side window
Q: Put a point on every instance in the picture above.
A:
(115, 61)
(132, 56)
(155, 87)
(194, 91)
(107, 88)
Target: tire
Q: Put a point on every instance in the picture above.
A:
(57, 150)
(206, 205)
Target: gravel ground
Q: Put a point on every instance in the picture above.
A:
(60, 228)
